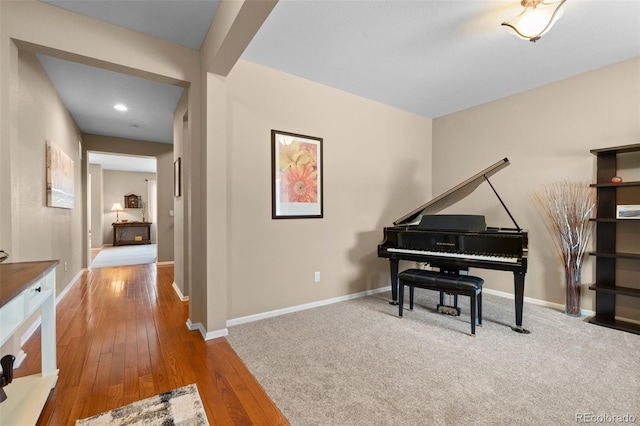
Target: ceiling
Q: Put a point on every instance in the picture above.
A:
(126, 163)
(90, 94)
(427, 57)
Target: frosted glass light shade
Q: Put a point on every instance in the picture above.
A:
(537, 18)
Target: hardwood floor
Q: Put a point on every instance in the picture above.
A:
(122, 337)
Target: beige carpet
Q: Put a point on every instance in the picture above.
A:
(358, 363)
(181, 406)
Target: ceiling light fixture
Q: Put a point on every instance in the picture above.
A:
(536, 19)
(120, 107)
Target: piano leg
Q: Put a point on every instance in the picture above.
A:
(518, 284)
(393, 263)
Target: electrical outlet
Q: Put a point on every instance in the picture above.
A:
(316, 277)
(65, 266)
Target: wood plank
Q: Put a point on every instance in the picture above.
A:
(122, 337)
(16, 277)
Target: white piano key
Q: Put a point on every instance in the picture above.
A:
(455, 255)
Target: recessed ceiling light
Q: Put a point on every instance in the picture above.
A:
(120, 107)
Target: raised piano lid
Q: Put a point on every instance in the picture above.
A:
(453, 195)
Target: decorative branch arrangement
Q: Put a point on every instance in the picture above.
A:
(568, 206)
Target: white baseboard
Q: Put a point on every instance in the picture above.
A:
(179, 293)
(206, 335)
(165, 263)
(71, 284)
(556, 306)
(283, 311)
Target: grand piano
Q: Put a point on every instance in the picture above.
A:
(455, 243)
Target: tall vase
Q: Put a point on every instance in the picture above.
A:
(573, 282)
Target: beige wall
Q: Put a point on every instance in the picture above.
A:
(96, 206)
(39, 232)
(547, 134)
(180, 246)
(35, 27)
(206, 202)
(377, 166)
(378, 161)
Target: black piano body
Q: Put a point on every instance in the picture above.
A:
(455, 243)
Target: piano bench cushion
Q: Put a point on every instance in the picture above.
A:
(465, 285)
(434, 280)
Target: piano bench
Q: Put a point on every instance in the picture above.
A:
(465, 285)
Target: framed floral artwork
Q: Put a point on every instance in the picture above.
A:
(296, 176)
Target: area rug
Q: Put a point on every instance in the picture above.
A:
(181, 406)
(125, 255)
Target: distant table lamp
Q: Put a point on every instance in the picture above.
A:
(116, 207)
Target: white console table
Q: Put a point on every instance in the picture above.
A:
(25, 287)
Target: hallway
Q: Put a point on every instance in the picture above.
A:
(122, 337)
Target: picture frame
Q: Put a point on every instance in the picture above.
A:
(60, 177)
(132, 201)
(628, 211)
(296, 176)
(177, 177)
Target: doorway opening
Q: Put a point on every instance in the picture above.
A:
(122, 206)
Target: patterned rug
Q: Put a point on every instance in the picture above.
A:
(180, 406)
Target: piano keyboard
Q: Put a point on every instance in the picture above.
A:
(455, 255)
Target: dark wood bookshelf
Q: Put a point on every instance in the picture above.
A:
(623, 291)
(616, 255)
(614, 185)
(605, 253)
(609, 322)
(616, 150)
(613, 220)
